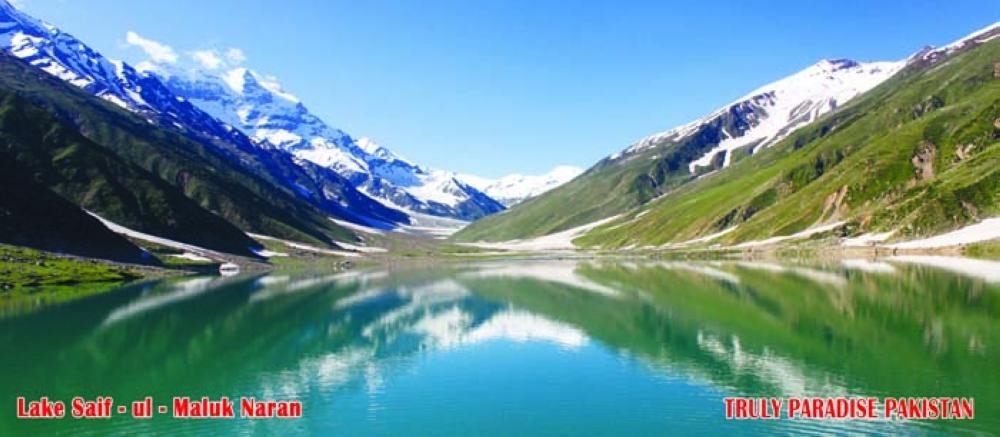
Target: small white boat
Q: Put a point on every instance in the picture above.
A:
(229, 269)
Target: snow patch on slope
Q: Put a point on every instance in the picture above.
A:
(978, 37)
(558, 241)
(198, 251)
(867, 239)
(796, 236)
(775, 110)
(431, 226)
(303, 246)
(800, 99)
(357, 227)
(988, 229)
(699, 240)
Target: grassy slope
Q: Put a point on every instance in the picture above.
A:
(598, 193)
(611, 187)
(866, 150)
(203, 174)
(614, 185)
(53, 154)
(22, 267)
(986, 249)
(30, 278)
(34, 216)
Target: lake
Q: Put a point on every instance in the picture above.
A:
(522, 347)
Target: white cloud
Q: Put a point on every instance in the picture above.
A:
(160, 55)
(211, 59)
(156, 51)
(19, 4)
(236, 55)
(207, 58)
(146, 66)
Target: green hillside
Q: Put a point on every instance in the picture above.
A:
(34, 216)
(918, 154)
(610, 187)
(52, 154)
(203, 174)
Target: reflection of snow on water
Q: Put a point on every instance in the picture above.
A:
(180, 291)
(431, 312)
(988, 271)
(442, 315)
(774, 370)
(548, 271)
(814, 275)
(868, 266)
(791, 381)
(703, 270)
(518, 326)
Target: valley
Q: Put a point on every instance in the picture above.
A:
(187, 169)
(434, 218)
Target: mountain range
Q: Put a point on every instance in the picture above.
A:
(660, 162)
(63, 56)
(516, 188)
(220, 158)
(214, 137)
(896, 149)
(258, 123)
(276, 119)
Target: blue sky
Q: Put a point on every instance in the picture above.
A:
(492, 87)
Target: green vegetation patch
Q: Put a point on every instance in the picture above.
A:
(25, 268)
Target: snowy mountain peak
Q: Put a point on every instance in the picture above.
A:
(258, 106)
(931, 54)
(245, 81)
(516, 188)
(142, 92)
(11, 15)
(372, 148)
(57, 53)
(831, 65)
(63, 56)
(842, 78)
(236, 79)
(769, 113)
(978, 37)
(779, 108)
(564, 172)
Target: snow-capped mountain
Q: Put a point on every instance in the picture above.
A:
(516, 188)
(60, 54)
(932, 55)
(274, 118)
(769, 113)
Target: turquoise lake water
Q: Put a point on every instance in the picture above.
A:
(519, 348)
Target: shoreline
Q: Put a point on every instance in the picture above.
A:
(443, 253)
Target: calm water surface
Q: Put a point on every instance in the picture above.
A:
(521, 348)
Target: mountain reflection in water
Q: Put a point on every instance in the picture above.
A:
(540, 347)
